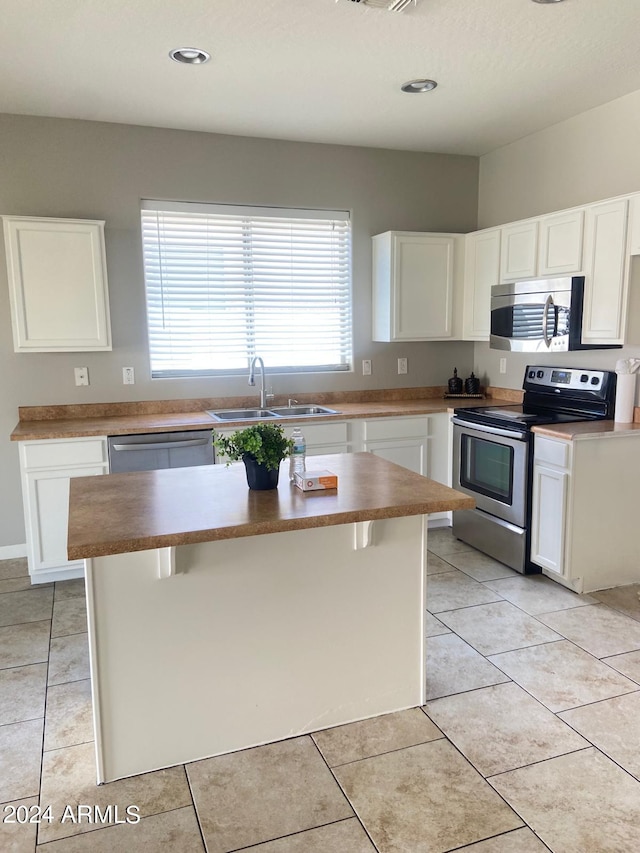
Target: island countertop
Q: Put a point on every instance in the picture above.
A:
(121, 513)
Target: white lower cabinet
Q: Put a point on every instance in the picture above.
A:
(420, 444)
(584, 510)
(549, 517)
(47, 468)
(550, 490)
(320, 438)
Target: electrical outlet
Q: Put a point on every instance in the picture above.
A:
(366, 367)
(82, 375)
(403, 365)
(503, 365)
(128, 376)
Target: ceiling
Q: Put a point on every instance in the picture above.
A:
(321, 70)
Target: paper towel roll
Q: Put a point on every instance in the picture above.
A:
(625, 397)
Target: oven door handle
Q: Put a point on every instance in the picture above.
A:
(516, 435)
(545, 320)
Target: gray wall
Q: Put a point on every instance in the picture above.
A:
(584, 159)
(62, 168)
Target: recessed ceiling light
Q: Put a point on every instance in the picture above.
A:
(189, 55)
(413, 87)
(547, 1)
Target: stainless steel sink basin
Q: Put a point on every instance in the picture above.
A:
(279, 412)
(242, 414)
(296, 411)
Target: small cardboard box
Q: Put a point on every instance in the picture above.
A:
(313, 481)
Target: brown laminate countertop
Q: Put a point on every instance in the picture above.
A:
(69, 423)
(120, 513)
(588, 429)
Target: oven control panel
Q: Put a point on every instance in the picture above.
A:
(565, 378)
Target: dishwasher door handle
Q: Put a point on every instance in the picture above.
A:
(162, 445)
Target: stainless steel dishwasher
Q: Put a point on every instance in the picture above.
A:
(150, 451)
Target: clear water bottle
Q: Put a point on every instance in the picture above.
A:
(297, 459)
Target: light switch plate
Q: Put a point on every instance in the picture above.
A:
(503, 365)
(403, 365)
(366, 367)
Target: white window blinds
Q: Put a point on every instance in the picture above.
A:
(226, 283)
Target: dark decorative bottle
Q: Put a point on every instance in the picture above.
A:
(455, 383)
(472, 384)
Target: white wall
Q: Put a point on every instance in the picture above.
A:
(56, 167)
(592, 156)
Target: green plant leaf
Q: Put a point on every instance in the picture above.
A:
(266, 443)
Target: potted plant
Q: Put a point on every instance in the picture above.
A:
(262, 447)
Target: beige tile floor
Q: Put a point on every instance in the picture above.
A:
(529, 740)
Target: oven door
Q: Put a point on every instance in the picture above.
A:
(491, 465)
(530, 322)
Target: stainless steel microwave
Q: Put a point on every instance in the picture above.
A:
(543, 315)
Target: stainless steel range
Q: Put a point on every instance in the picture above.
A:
(493, 455)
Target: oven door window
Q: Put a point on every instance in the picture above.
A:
(525, 321)
(486, 467)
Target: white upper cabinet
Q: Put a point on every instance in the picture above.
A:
(57, 284)
(560, 251)
(542, 248)
(481, 272)
(415, 278)
(634, 224)
(519, 251)
(606, 273)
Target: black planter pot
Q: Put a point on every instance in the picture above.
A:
(259, 477)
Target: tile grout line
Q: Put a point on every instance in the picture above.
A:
(195, 808)
(44, 719)
(344, 794)
(293, 835)
(398, 748)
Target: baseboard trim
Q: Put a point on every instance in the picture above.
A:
(11, 552)
(49, 575)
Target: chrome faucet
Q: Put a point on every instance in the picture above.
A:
(252, 380)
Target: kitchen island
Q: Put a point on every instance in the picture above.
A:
(221, 618)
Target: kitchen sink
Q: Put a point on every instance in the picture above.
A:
(280, 412)
(293, 411)
(242, 414)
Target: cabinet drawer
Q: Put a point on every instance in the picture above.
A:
(63, 454)
(319, 434)
(381, 428)
(552, 452)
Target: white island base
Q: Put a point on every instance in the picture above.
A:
(253, 639)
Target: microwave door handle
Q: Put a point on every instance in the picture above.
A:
(548, 304)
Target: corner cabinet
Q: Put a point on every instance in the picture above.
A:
(481, 272)
(46, 469)
(57, 284)
(417, 283)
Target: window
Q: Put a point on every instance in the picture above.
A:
(226, 283)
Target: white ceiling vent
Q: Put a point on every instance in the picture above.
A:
(390, 5)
